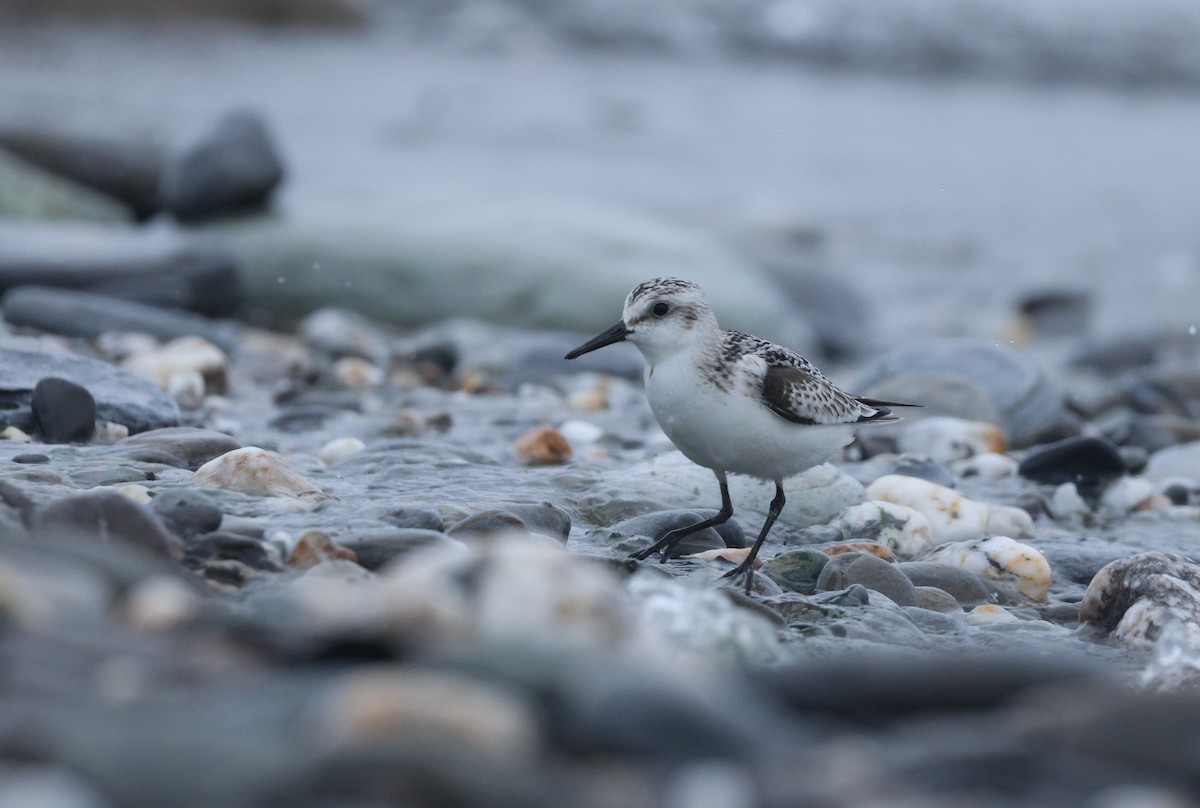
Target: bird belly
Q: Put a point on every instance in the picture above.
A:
(731, 430)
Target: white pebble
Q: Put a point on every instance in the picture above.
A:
(580, 433)
(898, 527)
(187, 388)
(952, 516)
(108, 432)
(257, 472)
(1127, 494)
(138, 493)
(160, 603)
(184, 353)
(357, 374)
(990, 613)
(1013, 565)
(339, 449)
(986, 466)
(947, 439)
(1066, 503)
(14, 434)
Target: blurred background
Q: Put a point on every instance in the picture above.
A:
(839, 174)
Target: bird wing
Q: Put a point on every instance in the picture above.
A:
(804, 396)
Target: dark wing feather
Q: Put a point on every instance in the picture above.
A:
(806, 397)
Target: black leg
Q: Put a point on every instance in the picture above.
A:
(667, 543)
(747, 567)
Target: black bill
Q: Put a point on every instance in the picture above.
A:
(615, 334)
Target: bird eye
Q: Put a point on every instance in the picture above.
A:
(660, 309)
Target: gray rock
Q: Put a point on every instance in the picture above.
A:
(541, 517)
(656, 525)
(223, 545)
(815, 534)
(157, 267)
(972, 379)
(28, 192)
(413, 514)
(111, 475)
(493, 520)
(1175, 461)
(190, 447)
(797, 570)
(923, 466)
(378, 547)
(960, 584)
(934, 620)
(102, 516)
(64, 411)
(187, 512)
(84, 314)
(235, 165)
(119, 397)
(127, 169)
(874, 573)
(933, 599)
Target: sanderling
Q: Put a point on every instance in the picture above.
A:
(732, 402)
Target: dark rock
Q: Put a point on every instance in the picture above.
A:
(64, 411)
(157, 269)
(84, 314)
(442, 356)
(922, 466)
(1087, 461)
(187, 512)
(414, 514)
(1178, 494)
(869, 571)
(189, 447)
(102, 516)
(15, 410)
(960, 584)
(233, 166)
(34, 457)
(223, 545)
(656, 525)
(1119, 356)
(128, 169)
(797, 570)
(119, 397)
(1056, 313)
(376, 548)
(110, 475)
(972, 379)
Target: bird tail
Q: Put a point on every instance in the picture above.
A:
(883, 413)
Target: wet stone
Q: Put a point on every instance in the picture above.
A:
(1135, 598)
(111, 475)
(797, 570)
(816, 534)
(187, 512)
(541, 517)
(36, 457)
(937, 600)
(414, 515)
(960, 584)
(487, 522)
(65, 412)
(223, 545)
(189, 446)
(657, 525)
(1086, 461)
(377, 548)
(102, 516)
(869, 571)
(922, 466)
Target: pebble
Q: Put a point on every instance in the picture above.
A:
(358, 374)
(28, 192)
(376, 549)
(339, 449)
(987, 466)
(869, 547)
(962, 585)
(188, 446)
(1128, 494)
(920, 465)
(900, 528)
(542, 446)
(937, 600)
(63, 411)
(406, 423)
(951, 516)
(315, 546)
(183, 355)
(580, 433)
(160, 603)
(654, 526)
(1012, 565)
(13, 434)
(1182, 460)
(1088, 462)
(342, 333)
(234, 165)
(427, 712)
(869, 571)
(187, 388)
(797, 570)
(990, 613)
(187, 512)
(1134, 598)
(948, 439)
(138, 493)
(104, 515)
(257, 472)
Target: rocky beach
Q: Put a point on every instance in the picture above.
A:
(300, 503)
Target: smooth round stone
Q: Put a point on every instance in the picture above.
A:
(947, 439)
(922, 466)
(816, 534)
(1134, 598)
(112, 475)
(30, 193)
(223, 545)
(657, 525)
(931, 619)
(376, 548)
(102, 516)
(191, 447)
(960, 584)
(937, 600)
(257, 472)
(118, 396)
(1175, 461)
(235, 165)
(415, 514)
(180, 357)
(869, 571)
(187, 512)
(487, 522)
(65, 412)
(972, 379)
(541, 517)
(36, 457)
(344, 333)
(797, 570)
(1013, 566)
(853, 595)
(1086, 461)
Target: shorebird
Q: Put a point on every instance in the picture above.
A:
(732, 402)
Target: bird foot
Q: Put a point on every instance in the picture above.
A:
(745, 568)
